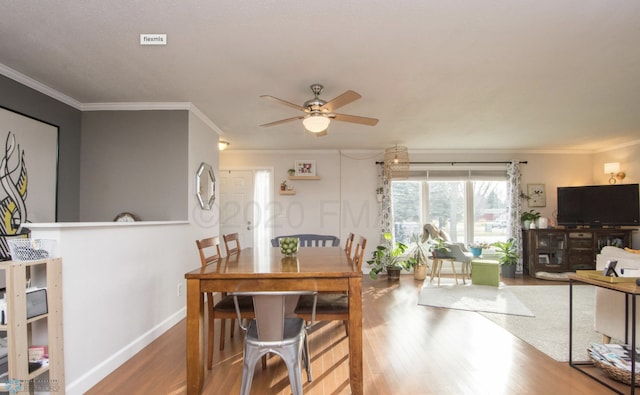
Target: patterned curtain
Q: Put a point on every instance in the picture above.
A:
(513, 224)
(385, 213)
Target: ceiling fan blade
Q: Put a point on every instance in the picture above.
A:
(283, 121)
(286, 103)
(340, 101)
(355, 119)
(323, 133)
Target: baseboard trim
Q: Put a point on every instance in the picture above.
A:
(93, 376)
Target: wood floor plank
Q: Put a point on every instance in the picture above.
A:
(408, 349)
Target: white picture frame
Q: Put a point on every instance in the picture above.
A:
(305, 168)
(537, 195)
(543, 259)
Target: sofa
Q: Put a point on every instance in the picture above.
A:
(609, 305)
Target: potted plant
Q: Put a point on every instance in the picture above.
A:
(388, 256)
(477, 247)
(291, 172)
(418, 258)
(283, 185)
(507, 257)
(529, 217)
(439, 248)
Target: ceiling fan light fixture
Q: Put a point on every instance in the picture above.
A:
(316, 123)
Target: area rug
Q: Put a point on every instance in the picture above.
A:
(548, 331)
(481, 298)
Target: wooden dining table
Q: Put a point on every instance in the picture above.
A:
(255, 269)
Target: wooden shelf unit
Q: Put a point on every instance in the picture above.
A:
(43, 330)
(304, 177)
(568, 250)
(288, 192)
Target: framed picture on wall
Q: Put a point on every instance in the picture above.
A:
(29, 173)
(537, 195)
(305, 167)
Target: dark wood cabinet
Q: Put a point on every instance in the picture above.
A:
(568, 250)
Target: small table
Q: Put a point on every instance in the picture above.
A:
(631, 292)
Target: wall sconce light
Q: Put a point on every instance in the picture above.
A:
(222, 145)
(613, 168)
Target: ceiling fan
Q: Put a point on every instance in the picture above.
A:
(319, 113)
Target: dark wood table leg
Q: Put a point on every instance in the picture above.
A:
(195, 337)
(355, 335)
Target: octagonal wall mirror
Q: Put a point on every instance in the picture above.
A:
(205, 186)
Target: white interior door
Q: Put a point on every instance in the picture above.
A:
(236, 204)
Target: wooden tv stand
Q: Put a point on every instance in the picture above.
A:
(568, 250)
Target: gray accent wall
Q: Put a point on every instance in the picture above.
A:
(19, 98)
(134, 161)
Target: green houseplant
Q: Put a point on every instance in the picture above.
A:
(418, 258)
(439, 247)
(388, 256)
(529, 217)
(507, 257)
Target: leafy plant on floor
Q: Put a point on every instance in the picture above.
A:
(507, 252)
(387, 254)
(418, 253)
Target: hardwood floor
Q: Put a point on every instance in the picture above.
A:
(408, 349)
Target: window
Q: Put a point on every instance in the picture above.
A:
(468, 210)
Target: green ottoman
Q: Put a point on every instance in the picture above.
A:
(485, 272)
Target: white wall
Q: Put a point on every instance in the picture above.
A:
(120, 281)
(342, 201)
(629, 158)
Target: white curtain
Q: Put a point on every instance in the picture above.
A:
(513, 224)
(385, 213)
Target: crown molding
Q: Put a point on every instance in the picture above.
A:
(135, 106)
(38, 86)
(619, 146)
(138, 106)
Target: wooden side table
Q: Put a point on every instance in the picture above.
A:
(631, 292)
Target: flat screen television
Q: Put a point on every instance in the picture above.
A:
(599, 205)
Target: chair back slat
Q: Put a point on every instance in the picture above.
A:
(231, 243)
(348, 244)
(269, 311)
(358, 256)
(209, 245)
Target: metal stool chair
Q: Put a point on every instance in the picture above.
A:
(273, 331)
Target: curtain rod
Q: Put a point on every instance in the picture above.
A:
(459, 163)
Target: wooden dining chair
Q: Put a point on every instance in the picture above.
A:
(348, 244)
(209, 250)
(231, 238)
(358, 256)
(331, 306)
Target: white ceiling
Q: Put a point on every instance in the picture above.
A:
(439, 74)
